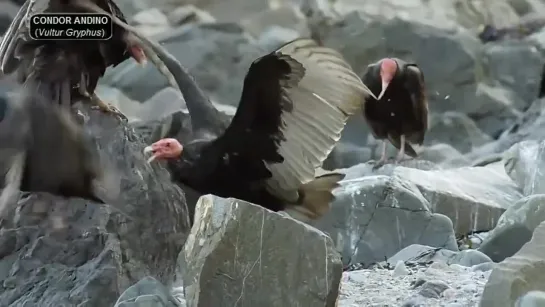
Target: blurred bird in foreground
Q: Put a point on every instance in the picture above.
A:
(42, 149)
(400, 112)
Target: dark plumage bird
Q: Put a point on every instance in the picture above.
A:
(293, 107)
(400, 112)
(67, 70)
(42, 149)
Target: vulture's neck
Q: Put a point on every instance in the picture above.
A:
(204, 116)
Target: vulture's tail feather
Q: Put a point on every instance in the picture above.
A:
(316, 196)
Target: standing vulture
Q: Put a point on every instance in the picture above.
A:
(293, 107)
(68, 70)
(42, 149)
(400, 112)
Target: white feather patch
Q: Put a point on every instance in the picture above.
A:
(324, 99)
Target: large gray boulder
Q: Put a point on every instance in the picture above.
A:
(240, 253)
(524, 163)
(56, 251)
(519, 274)
(376, 214)
(515, 227)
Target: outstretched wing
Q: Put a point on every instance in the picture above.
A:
(89, 58)
(294, 106)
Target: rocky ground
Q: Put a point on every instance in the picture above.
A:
(461, 226)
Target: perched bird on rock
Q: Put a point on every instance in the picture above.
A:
(400, 112)
(293, 107)
(68, 70)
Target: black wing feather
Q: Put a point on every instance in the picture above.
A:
(414, 83)
(254, 134)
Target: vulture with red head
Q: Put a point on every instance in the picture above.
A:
(68, 70)
(400, 111)
(293, 107)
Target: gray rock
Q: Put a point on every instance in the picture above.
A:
(233, 10)
(505, 242)
(163, 103)
(472, 197)
(217, 55)
(276, 36)
(286, 15)
(509, 62)
(528, 211)
(129, 107)
(523, 163)
(345, 155)
(456, 129)
(439, 13)
(189, 14)
(240, 253)
(374, 217)
(433, 288)
(425, 254)
(443, 154)
(400, 269)
(531, 299)
(483, 267)
(518, 274)
(147, 292)
(57, 251)
(515, 226)
(152, 16)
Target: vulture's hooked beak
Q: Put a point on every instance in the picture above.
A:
(147, 151)
(383, 90)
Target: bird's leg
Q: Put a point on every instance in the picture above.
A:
(383, 159)
(401, 153)
(106, 107)
(97, 102)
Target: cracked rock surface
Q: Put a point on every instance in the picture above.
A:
(240, 254)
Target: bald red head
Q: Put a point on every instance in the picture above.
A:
(388, 69)
(164, 149)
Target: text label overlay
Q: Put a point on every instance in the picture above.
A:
(68, 26)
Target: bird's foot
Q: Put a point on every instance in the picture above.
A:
(380, 163)
(109, 108)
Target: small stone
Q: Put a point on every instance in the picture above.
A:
(400, 269)
(483, 267)
(433, 289)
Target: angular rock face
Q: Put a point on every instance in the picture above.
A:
(519, 274)
(56, 252)
(524, 164)
(376, 216)
(240, 254)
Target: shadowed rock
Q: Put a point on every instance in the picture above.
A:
(56, 252)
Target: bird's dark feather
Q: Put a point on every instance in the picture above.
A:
(402, 110)
(234, 163)
(58, 159)
(76, 63)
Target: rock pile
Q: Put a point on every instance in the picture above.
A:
(430, 232)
